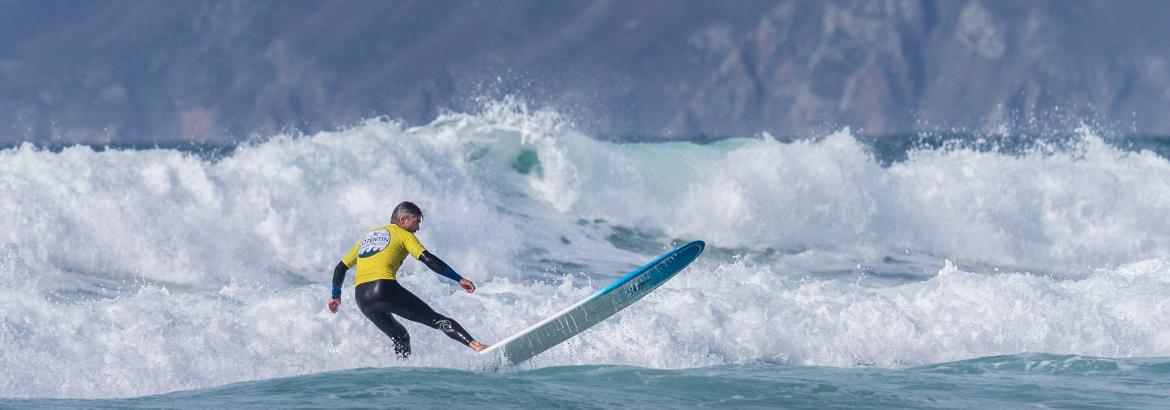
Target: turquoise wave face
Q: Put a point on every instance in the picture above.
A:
(276, 210)
(995, 382)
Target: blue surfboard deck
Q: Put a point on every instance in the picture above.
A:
(593, 309)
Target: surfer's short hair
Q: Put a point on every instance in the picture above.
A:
(406, 208)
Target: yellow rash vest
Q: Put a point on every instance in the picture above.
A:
(380, 253)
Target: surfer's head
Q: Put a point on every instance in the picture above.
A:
(407, 216)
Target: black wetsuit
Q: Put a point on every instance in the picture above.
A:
(379, 300)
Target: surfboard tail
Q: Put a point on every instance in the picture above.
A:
(597, 307)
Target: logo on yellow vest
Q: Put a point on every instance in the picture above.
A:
(374, 242)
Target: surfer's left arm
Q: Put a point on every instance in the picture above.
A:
(338, 278)
(347, 261)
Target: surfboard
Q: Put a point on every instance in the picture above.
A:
(593, 309)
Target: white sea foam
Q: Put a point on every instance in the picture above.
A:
(740, 314)
(1095, 206)
(291, 205)
(130, 272)
(156, 340)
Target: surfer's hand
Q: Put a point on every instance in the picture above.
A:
(333, 304)
(467, 285)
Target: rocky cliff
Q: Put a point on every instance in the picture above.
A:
(222, 70)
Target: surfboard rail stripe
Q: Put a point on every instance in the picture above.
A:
(595, 308)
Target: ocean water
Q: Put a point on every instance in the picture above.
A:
(913, 271)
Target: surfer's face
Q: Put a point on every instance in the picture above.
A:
(408, 223)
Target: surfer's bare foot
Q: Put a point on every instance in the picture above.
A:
(477, 346)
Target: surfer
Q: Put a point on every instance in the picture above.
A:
(378, 255)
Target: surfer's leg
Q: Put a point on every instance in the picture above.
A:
(372, 300)
(411, 308)
(385, 322)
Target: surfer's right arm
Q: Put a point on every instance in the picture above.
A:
(438, 266)
(433, 262)
(347, 261)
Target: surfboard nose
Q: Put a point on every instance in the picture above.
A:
(595, 308)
